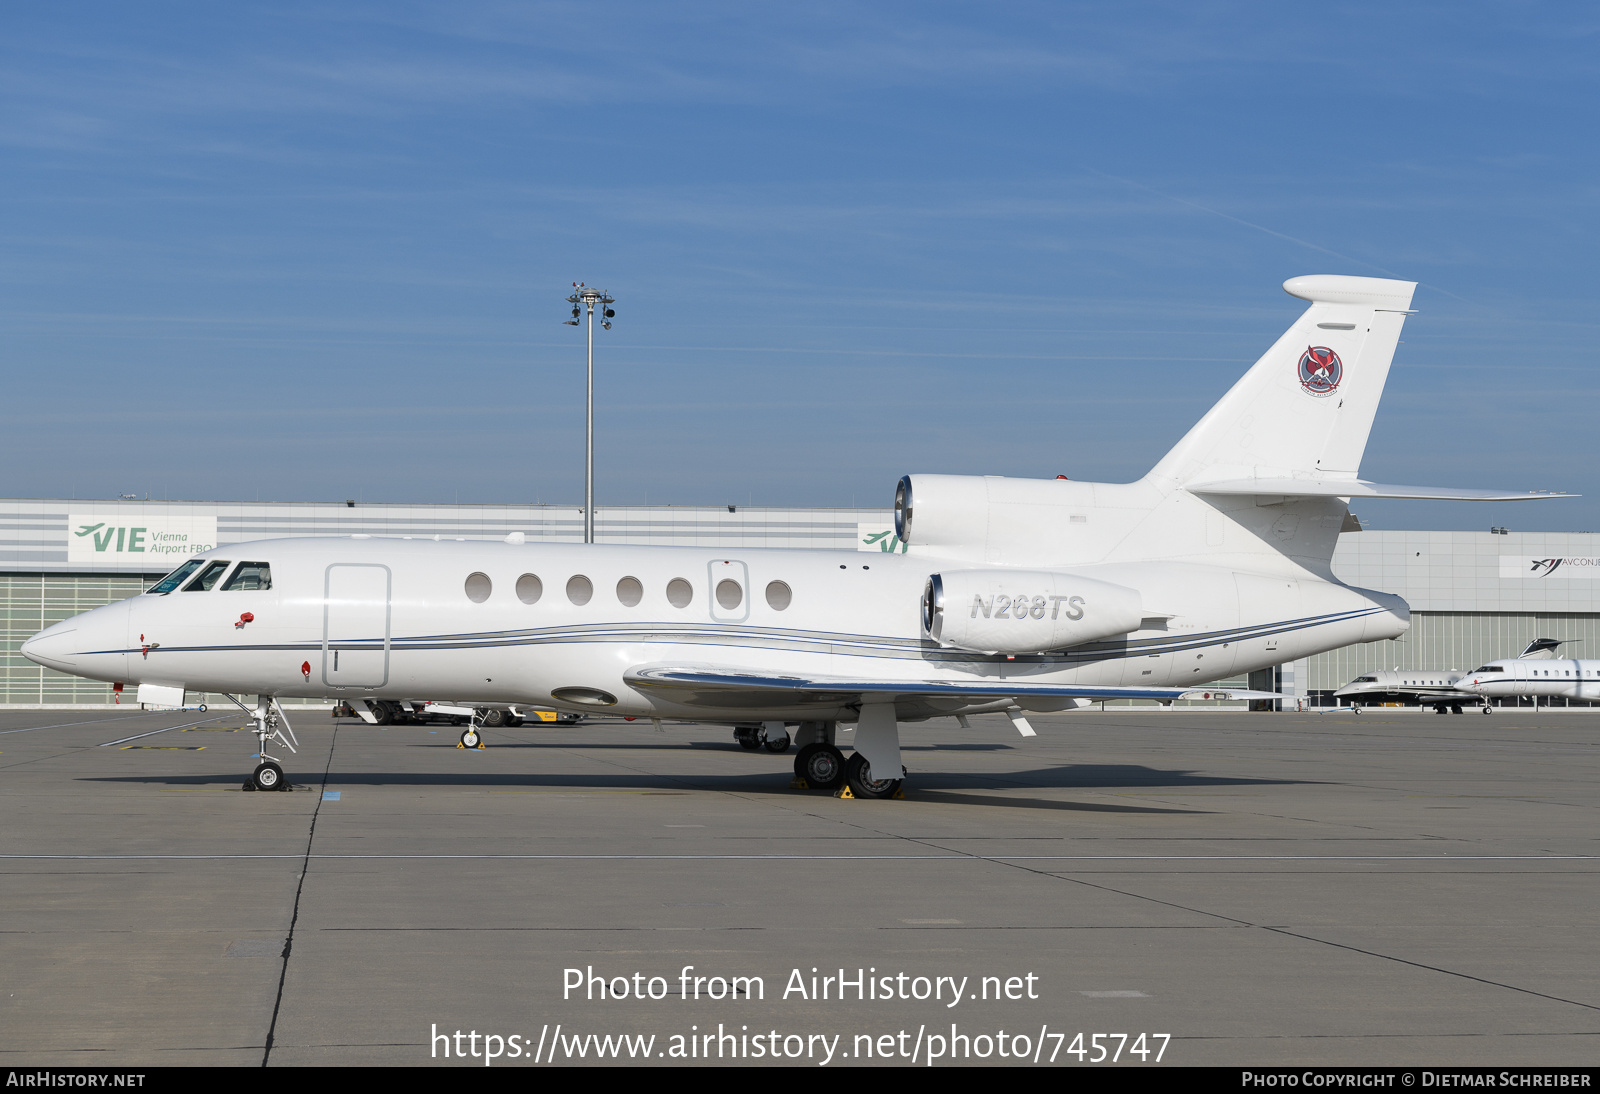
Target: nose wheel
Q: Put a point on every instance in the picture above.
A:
(471, 738)
(269, 776)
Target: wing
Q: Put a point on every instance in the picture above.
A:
(725, 686)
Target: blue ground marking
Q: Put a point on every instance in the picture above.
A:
(330, 795)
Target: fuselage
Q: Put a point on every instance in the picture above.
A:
(367, 617)
(1428, 685)
(1536, 676)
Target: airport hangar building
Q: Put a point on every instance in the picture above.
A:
(1474, 596)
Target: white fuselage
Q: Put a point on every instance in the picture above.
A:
(389, 618)
(1428, 685)
(1537, 676)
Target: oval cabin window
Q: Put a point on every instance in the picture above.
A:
(579, 589)
(529, 588)
(679, 592)
(778, 595)
(479, 587)
(630, 592)
(729, 595)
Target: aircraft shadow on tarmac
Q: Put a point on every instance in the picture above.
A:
(951, 788)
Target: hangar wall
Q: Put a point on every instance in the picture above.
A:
(1474, 595)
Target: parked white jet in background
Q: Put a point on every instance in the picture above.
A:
(1016, 595)
(1539, 675)
(1429, 687)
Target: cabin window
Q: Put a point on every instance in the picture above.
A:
(208, 577)
(778, 595)
(479, 587)
(176, 577)
(529, 588)
(579, 589)
(630, 592)
(729, 594)
(249, 577)
(679, 592)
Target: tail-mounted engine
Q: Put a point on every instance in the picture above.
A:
(1025, 611)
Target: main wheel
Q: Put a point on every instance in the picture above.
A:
(494, 719)
(382, 712)
(1455, 708)
(747, 738)
(269, 776)
(513, 720)
(859, 774)
(781, 744)
(470, 738)
(821, 766)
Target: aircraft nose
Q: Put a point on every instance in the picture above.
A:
(53, 647)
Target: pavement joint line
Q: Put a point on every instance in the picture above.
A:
(168, 729)
(299, 890)
(864, 858)
(1285, 932)
(90, 722)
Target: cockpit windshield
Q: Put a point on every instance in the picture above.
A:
(1490, 668)
(250, 576)
(175, 578)
(208, 577)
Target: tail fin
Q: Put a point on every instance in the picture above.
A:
(1306, 407)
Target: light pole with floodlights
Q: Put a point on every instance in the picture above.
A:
(584, 297)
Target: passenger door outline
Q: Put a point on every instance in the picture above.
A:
(350, 605)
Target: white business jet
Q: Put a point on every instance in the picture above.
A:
(1016, 595)
(1437, 688)
(1537, 673)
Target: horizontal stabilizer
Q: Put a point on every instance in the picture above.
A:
(715, 685)
(1360, 488)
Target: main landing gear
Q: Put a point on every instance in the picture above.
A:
(271, 724)
(1447, 708)
(858, 773)
(821, 766)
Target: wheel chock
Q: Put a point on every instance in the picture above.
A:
(481, 747)
(844, 792)
(899, 794)
(797, 783)
(460, 745)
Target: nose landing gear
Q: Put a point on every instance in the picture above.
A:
(271, 724)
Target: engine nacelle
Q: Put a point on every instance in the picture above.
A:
(1025, 611)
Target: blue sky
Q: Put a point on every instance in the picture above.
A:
(318, 251)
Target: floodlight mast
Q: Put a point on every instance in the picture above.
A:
(584, 297)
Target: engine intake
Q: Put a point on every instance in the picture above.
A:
(1025, 611)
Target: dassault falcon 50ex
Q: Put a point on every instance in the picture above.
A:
(1015, 595)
